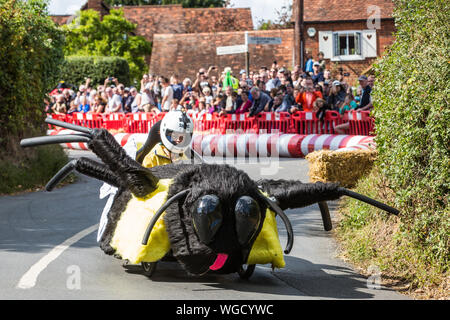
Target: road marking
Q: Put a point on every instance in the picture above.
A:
(28, 280)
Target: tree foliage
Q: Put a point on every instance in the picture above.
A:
(411, 96)
(185, 3)
(87, 35)
(30, 54)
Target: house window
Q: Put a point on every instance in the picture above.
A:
(347, 43)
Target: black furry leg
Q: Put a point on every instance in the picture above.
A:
(295, 194)
(98, 171)
(138, 179)
(85, 166)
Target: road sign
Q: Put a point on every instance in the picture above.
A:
(264, 40)
(242, 48)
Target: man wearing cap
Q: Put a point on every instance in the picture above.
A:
(127, 100)
(81, 92)
(336, 94)
(260, 101)
(366, 100)
(318, 74)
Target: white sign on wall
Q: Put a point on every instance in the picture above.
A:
(242, 48)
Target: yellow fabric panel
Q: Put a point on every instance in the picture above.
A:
(156, 157)
(267, 248)
(133, 223)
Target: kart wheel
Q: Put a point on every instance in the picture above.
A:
(149, 268)
(246, 270)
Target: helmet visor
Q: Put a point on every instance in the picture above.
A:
(179, 139)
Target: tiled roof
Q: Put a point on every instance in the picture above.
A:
(341, 10)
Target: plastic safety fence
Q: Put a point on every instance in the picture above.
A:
(360, 122)
(275, 145)
(251, 145)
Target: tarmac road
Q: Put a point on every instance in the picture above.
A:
(48, 250)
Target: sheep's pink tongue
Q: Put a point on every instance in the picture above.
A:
(220, 261)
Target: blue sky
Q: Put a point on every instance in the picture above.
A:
(261, 9)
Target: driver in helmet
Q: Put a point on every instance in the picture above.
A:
(175, 135)
(167, 142)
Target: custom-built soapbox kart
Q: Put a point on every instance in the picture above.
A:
(210, 218)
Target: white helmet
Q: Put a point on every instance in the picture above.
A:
(176, 131)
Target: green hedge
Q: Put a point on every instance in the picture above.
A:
(412, 113)
(31, 53)
(75, 69)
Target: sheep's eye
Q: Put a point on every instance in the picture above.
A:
(207, 218)
(248, 219)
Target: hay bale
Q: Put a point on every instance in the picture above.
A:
(345, 167)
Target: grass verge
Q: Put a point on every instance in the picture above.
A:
(370, 238)
(30, 169)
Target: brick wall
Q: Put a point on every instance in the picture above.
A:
(185, 54)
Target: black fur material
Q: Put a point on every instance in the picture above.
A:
(153, 138)
(168, 171)
(227, 183)
(138, 179)
(294, 194)
(121, 200)
(98, 171)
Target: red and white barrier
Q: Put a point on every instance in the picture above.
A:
(252, 145)
(121, 138)
(272, 145)
(316, 142)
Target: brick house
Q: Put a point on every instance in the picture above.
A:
(174, 19)
(188, 25)
(347, 32)
(185, 39)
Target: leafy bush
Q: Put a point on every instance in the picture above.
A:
(412, 120)
(31, 53)
(412, 171)
(29, 67)
(75, 69)
(114, 36)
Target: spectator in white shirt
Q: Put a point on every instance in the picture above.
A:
(167, 94)
(114, 100)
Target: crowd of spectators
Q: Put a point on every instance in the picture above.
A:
(274, 89)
